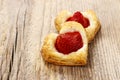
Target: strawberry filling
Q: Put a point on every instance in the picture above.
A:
(69, 42)
(78, 17)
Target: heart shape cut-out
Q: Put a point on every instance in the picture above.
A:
(88, 19)
(77, 57)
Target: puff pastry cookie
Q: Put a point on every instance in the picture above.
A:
(73, 49)
(89, 21)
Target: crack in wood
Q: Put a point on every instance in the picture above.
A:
(24, 22)
(11, 63)
(12, 54)
(16, 38)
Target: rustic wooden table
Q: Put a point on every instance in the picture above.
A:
(25, 23)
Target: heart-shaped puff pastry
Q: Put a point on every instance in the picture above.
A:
(52, 55)
(91, 30)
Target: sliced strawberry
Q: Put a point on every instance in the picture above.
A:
(69, 42)
(78, 17)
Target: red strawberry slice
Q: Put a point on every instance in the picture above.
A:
(78, 17)
(69, 42)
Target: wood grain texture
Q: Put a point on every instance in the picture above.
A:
(25, 23)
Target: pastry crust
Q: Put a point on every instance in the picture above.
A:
(94, 24)
(61, 18)
(90, 30)
(51, 55)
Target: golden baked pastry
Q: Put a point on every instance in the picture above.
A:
(91, 29)
(74, 31)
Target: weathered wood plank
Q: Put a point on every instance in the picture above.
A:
(25, 23)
